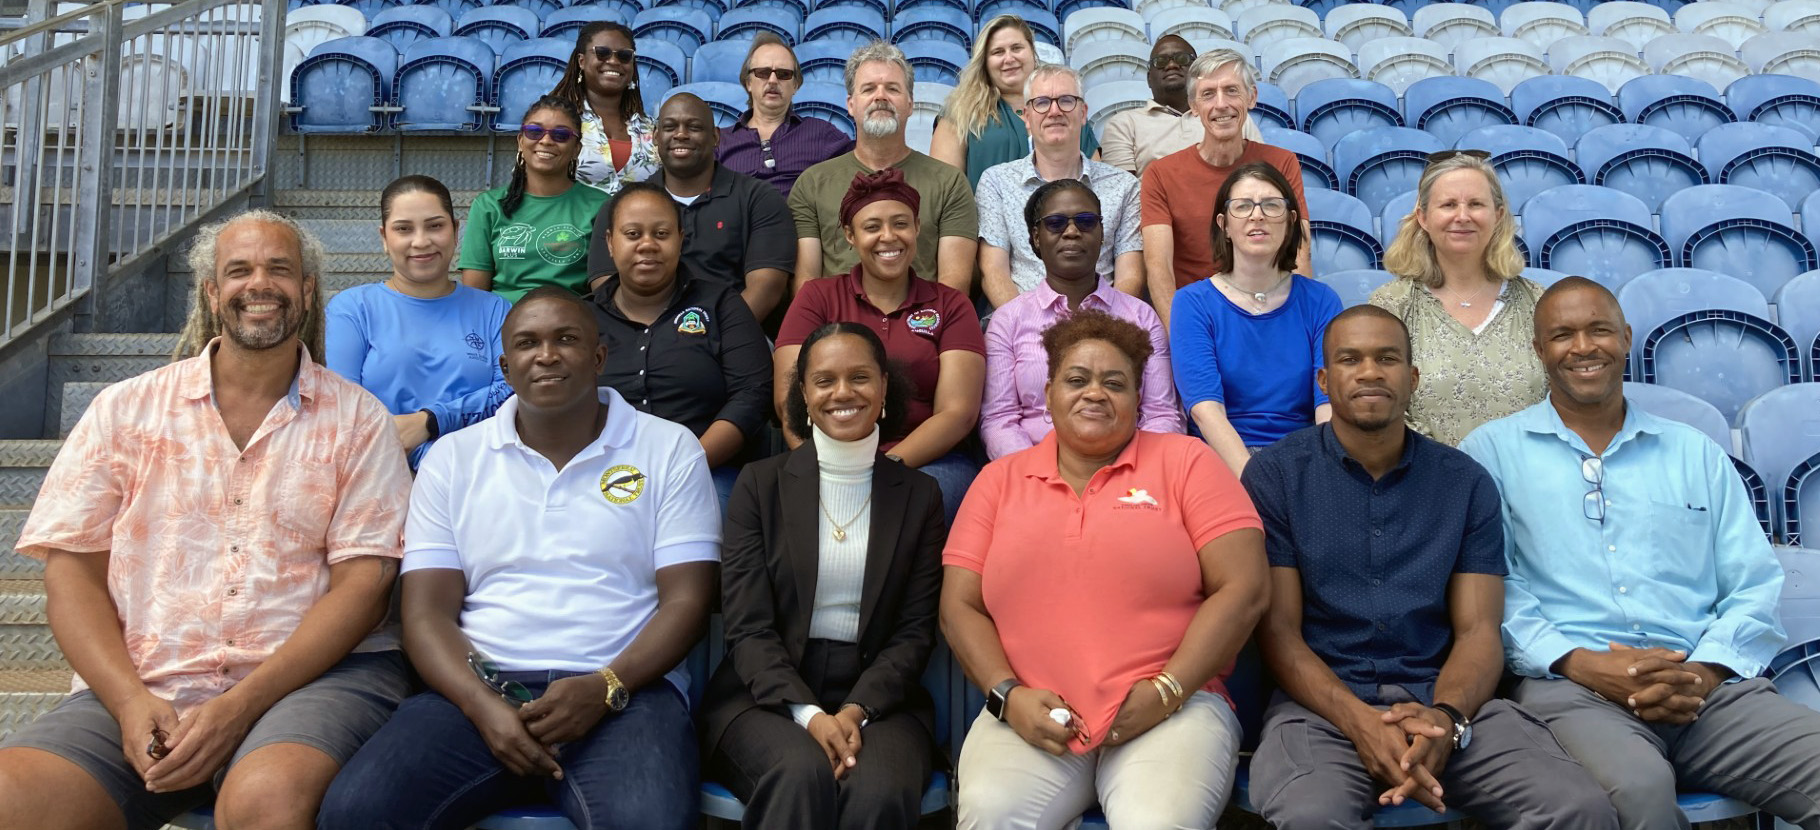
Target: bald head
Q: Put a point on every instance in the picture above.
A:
(1583, 343)
(686, 136)
(1573, 291)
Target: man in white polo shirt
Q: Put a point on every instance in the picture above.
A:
(559, 562)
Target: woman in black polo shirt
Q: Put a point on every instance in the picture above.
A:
(682, 349)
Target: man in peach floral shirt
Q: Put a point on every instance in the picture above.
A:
(220, 539)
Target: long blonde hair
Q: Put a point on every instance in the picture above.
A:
(974, 102)
(1412, 253)
(204, 326)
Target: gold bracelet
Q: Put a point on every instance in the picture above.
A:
(1162, 691)
(1168, 678)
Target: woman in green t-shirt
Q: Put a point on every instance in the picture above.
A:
(535, 230)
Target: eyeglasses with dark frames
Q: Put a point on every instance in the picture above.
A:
(1592, 471)
(536, 132)
(764, 73)
(1172, 59)
(603, 53)
(1042, 103)
(1085, 222)
(1273, 207)
(512, 691)
(1443, 155)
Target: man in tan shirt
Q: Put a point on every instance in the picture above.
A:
(1132, 139)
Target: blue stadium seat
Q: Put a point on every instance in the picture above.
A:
(1706, 334)
(1810, 218)
(1800, 607)
(568, 22)
(1335, 107)
(1447, 107)
(1504, 61)
(942, 24)
(441, 82)
(902, 6)
(1600, 233)
(1647, 162)
(745, 22)
(825, 61)
(499, 26)
(1544, 277)
(1451, 23)
(1610, 61)
(661, 65)
(369, 8)
(720, 60)
(1262, 25)
(1738, 231)
(725, 100)
(1043, 23)
(543, 8)
(935, 61)
(1273, 108)
(685, 27)
(1798, 312)
(1776, 160)
(1377, 164)
(800, 7)
(1705, 58)
(1780, 429)
(1528, 160)
(1194, 23)
(1107, 62)
(1356, 24)
(1783, 100)
(1400, 62)
(855, 25)
(1566, 106)
(1542, 23)
(340, 83)
(1684, 105)
(1063, 8)
(527, 70)
(1355, 286)
(402, 26)
(1631, 22)
(825, 101)
(1297, 62)
(1390, 218)
(1343, 240)
(1316, 172)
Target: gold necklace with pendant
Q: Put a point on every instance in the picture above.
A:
(840, 528)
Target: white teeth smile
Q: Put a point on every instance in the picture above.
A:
(845, 413)
(890, 254)
(260, 308)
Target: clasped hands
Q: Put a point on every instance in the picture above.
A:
(1658, 685)
(1029, 714)
(527, 739)
(1406, 746)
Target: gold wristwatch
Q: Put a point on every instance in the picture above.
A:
(617, 694)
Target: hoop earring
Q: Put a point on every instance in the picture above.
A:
(519, 165)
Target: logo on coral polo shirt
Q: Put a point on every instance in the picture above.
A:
(1137, 498)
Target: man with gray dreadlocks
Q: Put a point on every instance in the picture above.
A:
(221, 536)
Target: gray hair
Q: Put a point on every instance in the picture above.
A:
(879, 50)
(203, 325)
(1217, 59)
(1053, 70)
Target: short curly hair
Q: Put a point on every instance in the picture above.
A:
(1093, 324)
(898, 386)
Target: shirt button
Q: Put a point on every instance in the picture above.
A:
(234, 548)
(1377, 582)
(1382, 627)
(233, 592)
(1611, 547)
(641, 372)
(1377, 531)
(223, 671)
(236, 501)
(641, 348)
(230, 642)
(1623, 590)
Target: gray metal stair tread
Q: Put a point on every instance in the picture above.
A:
(22, 602)
(35, 681)
(373, 260)
(132, 344)
(75, 400)
(29, 452)
(367, 199)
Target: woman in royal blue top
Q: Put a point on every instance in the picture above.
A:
(426, 346)
(1246, 341)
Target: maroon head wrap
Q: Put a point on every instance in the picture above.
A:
(886, 184)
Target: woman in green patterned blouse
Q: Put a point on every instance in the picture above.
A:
(1459, 289)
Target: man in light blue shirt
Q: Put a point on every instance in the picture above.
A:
(1640, 609)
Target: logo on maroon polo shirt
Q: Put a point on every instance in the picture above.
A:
(924, 321)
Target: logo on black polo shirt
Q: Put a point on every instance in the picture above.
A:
(622, 484)
(924, 321)
(692, 320)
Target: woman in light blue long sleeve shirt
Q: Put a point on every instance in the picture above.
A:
(425, 345)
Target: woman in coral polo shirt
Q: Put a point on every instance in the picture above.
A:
(1098, 586)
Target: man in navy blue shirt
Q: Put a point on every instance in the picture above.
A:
(1387, 590)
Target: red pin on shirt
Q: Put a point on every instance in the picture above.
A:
(719, 226)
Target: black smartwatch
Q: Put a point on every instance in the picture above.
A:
(999, 696)
(1462, 725)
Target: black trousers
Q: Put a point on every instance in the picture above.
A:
(785, 779)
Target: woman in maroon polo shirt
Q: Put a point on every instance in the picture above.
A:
(929, 329)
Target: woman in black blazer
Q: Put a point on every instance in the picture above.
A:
(831, 584)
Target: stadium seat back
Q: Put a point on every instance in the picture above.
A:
(1647, 162)
(1738, 231)
(1343, 238)
(1608, 60)
(829, 103)
(1381, 163)
(1356, 24)
(936, 61)
(1781, 100)
(1450, 107)
(1451, 23)
(1528, 160)
(661, 65)
(1686, 105)
(685, 27)
(1597, 232)
(719, 61)
(528, 70)
(1776, 160)
(1798, 313)
(1271, 23)
(1336, 107)
(403, 26)
(745, 22)
(1793, 16)
(1105, 101)
(1273, 107)
(1787, 53)
(1779, 430)
(1542, 23)
(725, 100)
(1355, 286)
(1295, 63)
(1399, 62)
(568, 22)
(1103, 23)
(854, 25)
(824, 61)
(1568, 107)
(1110, 62)
(1316, 170)
(1191, 23)
(1633, 23)
(1701, 57)
(439, 83)
(1504, 61)
(340, 82)
(1676, 405)
(1733, 23)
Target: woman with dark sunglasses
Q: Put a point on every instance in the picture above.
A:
(1066, 230)
(535, 230)
(1247, 340)
(769, 142)
(602, 81)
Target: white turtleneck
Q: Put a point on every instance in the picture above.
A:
(846, 490)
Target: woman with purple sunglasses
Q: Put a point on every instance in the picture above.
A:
(535, 230)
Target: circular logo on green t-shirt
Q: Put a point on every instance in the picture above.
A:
(562, 244)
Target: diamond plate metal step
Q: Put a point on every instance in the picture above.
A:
(371, 261)
(75, 400)
(26, 694)
(22, 602)
(29, 647)
(22, 468)
(12, 565)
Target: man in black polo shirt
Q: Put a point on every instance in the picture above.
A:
(1387, 592)
(736, 229)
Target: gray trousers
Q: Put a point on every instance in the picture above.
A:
(1749, 743)
(1307, 774)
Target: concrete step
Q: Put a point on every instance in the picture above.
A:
(23, 464)
(27, 693)
(12, 565)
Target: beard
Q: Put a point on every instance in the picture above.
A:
(880, 122)
(264, 335)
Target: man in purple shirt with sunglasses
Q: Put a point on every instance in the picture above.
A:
(769, 142)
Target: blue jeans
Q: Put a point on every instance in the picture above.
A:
(429, 768)
(954, 472)
(724, 477)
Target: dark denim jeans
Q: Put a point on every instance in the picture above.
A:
(429, 768)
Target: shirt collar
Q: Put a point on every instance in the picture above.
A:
(1331, 443)
(1045, 463)
(1052, 301)
(606, 295)
(196, 380)
(720, 185)
(1026, 170)
(1154, 105)
(744, 122)
(1542, 419)
(621, 425)
(922, 292)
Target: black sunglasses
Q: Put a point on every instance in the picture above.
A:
(602, 53)
(513, 691)
(1438, 157)
(1169, 59)
(1058, 222)
(536, 132)
(764, 73)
